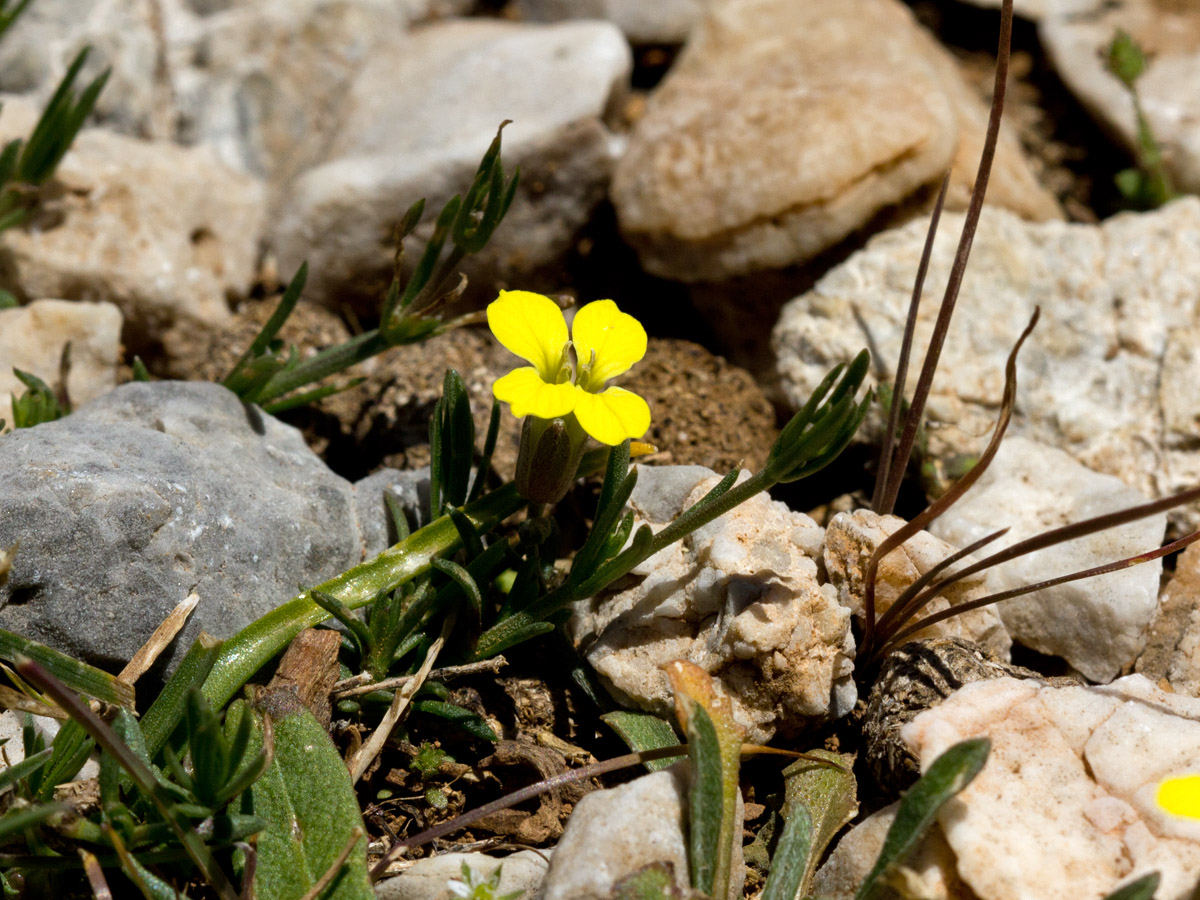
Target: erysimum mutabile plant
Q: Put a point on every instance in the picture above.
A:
(563, 405)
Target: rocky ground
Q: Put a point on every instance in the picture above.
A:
(752, 180)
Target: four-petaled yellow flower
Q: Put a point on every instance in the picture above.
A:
(607, 342)
(1180, 796)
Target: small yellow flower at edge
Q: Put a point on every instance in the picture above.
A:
(1180, 796)
(607, 342)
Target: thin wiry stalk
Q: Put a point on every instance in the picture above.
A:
(1129, 561)
(970, 225)
(910, 327)
(534, 790)
(943, 503)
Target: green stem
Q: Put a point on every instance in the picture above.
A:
(496, 638)
(328, 362)
(248, 650)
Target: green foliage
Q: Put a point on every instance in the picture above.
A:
(1147, 185)
(474, 886)
(643, 731)
(821, 797)
(314, 833)
(25, 165)
(273, 376)
(37, 405)
(949, 774)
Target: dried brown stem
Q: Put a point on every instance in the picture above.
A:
(943, 503)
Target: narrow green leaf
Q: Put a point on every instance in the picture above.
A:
(236, 379)
(17, 820)
(166, 712)
(79, 677)
(71, 747)
(472, 723)
(704, 801)
(827, 797)
(643, 731)
(1140, 889)
(26, 767)
(793, 857)
(949, 774)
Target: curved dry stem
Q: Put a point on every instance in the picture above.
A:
(941, 616)
(943, 503)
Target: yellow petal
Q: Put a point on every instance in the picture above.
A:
(528, 395)
(532, 327)
(618, 339)
(613, 415)
(1181, 796)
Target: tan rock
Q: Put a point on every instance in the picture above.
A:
(32, 338)
(785, 126)
(164, 232)
(852, 537)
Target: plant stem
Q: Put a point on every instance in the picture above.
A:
(328, 362)
(248, 650)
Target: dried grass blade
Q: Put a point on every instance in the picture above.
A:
(158, 642)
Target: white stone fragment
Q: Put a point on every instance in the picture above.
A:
(418, 118)
(739, 597)
(1168, 31)
(32, 338)
(1097, 624)
(1108, 373)
(850, 540)
(429, 877)
(1064, 807)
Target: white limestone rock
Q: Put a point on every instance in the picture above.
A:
(616, 832)
(1108, 373)
(782, 127)
(164, 232)
(1040, 9)
(415, 124)
(1169, 33)
(32, 338)
(429, 878)
(739, 597)
(1098, 624)
(851, 539)
(1065, 806)
(661, 22)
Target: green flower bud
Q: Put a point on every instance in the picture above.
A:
(549, 457)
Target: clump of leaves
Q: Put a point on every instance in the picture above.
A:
(1146, 185)
(275, 377)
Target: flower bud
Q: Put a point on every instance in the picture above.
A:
(551, 450)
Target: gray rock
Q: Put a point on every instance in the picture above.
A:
(152, 492)
(614, 833)
(267, 80)
(661, 22)
(1108, 373)
(429, 877)
(783, 127)
(416, 122)
(739, 597)
(410, 487)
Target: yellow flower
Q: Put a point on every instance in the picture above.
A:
(607, 342)
(1180, 796)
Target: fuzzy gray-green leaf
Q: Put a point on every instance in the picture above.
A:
(829, 796)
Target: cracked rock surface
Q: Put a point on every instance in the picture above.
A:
(738, 597)
(1065, 806)
(152, 492)
(1108, 373)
